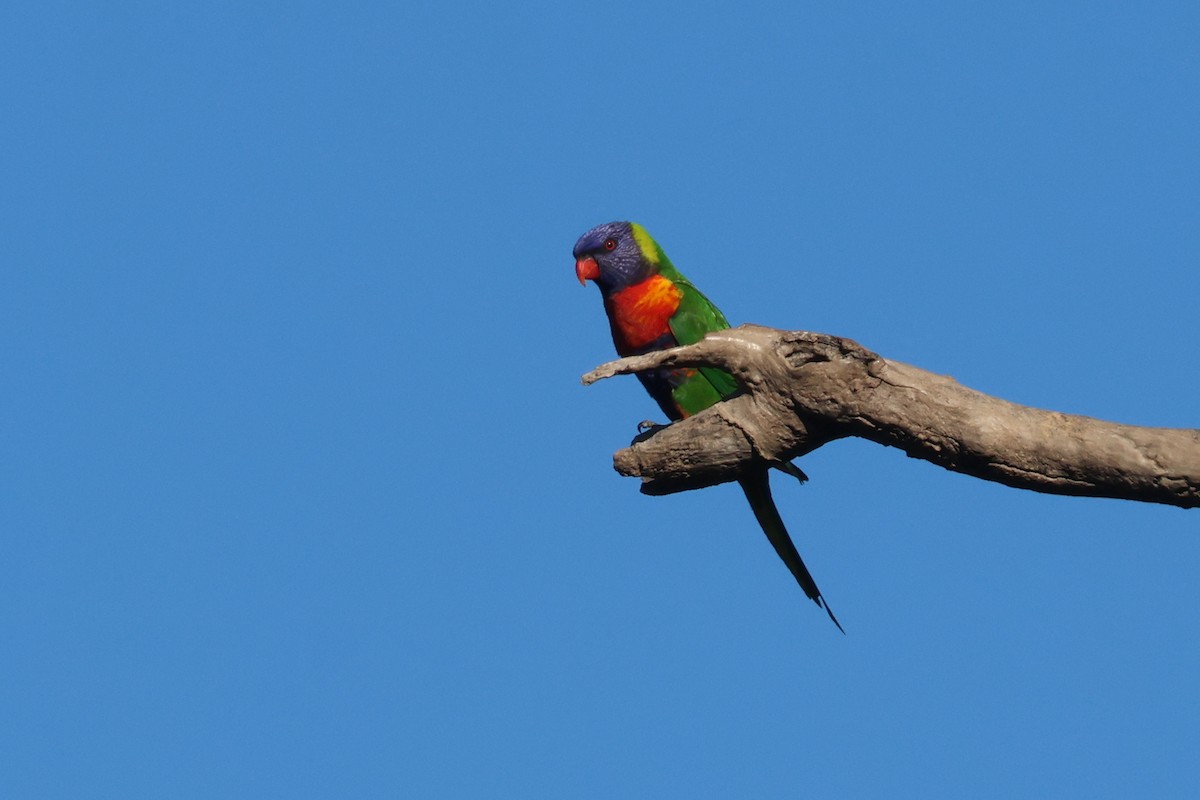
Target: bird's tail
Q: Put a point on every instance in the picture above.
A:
(757, 487)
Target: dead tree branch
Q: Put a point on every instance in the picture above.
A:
(803, 390)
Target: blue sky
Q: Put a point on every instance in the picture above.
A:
(302, 496)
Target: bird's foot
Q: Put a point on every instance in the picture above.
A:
(646, 429)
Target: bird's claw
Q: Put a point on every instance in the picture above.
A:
(648, 425)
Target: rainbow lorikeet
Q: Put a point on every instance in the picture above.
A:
(651, 306)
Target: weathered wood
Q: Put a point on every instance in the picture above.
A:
(802, 390)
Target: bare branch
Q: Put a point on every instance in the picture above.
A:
(802, 390)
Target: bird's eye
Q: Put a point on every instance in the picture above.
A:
(610, 244)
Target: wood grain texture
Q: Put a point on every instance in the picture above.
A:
(802, 390)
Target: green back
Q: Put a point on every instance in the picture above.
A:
(695, 317)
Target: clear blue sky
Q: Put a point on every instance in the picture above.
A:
(302, 496)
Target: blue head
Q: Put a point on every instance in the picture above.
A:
(616, 255)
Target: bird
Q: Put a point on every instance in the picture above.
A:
(651, 306)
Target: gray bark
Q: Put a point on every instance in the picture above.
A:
(803, 390)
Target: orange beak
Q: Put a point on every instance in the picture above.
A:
(586, 269)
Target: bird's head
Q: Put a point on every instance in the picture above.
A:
(616, 255)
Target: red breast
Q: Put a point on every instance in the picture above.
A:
(641, 313)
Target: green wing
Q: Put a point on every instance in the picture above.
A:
(695, 317)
